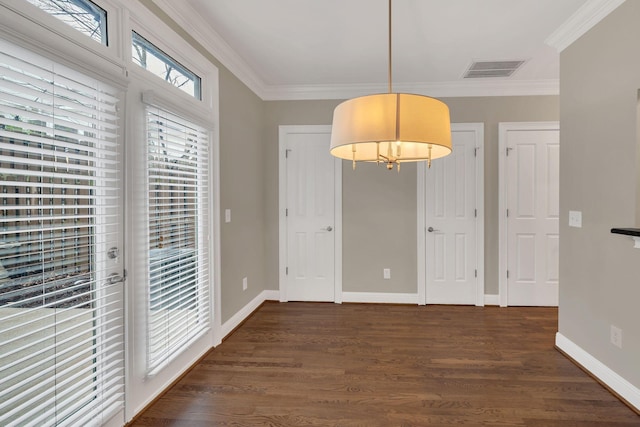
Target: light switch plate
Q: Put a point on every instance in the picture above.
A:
(386, 273)
(227, 215)
(575, 219)
(616, 336)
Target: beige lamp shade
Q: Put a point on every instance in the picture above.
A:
(391, 128)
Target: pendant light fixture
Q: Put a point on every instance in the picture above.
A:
(391, 128)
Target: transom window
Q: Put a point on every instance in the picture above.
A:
(149, 57)
(82, 15)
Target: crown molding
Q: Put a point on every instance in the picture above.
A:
(193, 24)
(438, 90)
(580, 22)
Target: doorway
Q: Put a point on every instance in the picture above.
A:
(451, 222)
(529, 213)
(310, 215)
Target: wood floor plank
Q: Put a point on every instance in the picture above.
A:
(314, 364)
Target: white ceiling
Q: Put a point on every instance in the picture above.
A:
(286, 49)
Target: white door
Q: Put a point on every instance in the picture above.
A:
(310, 218)
(451, 222)
(531, 191)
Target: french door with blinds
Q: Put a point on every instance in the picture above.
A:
(170, 216)
(61, 267)
(178, 235)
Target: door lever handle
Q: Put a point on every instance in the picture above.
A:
(114, 278)
(431, 229)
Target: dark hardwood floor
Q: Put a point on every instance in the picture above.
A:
(310, 364)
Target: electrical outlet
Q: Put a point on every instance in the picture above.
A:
(386, 273)
(245, 284)
(616, 336)
(575, 219)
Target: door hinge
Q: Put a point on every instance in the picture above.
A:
(476, 273)
(125, 273)
(507, 213)
(286, 271)
(475, 213)
(507, 274)
(475, 152)
(286, 212)
(508, 149)
(286, 153)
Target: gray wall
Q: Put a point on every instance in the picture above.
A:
(373, 198)
(379, 221)
(242, 170)
(600, 272)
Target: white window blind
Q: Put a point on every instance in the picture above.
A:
(179, 272)
(61, 334)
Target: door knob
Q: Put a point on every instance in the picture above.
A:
(431, 229)
(329, 228)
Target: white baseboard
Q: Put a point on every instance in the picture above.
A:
(243, 313)
(615, 382)
(270, 295)
(381, 297)
(492, 299)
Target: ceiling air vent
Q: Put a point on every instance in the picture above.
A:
(481, 69)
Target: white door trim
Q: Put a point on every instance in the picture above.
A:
(478, 129)
(503, 129)
(285, 130)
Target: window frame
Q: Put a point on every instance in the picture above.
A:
(82, 53)
(93, 7)
(205, 109)
(168, 60)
